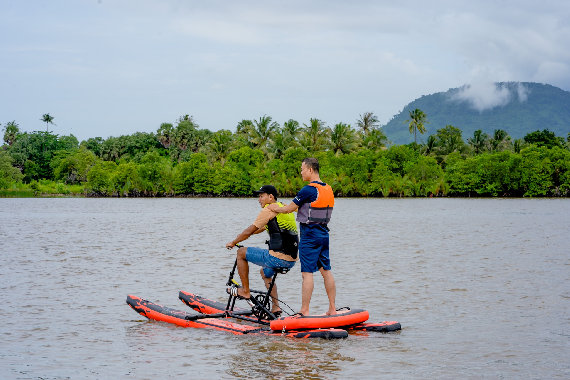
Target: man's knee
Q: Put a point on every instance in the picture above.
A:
(242, 252)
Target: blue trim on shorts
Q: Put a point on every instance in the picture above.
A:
(314, 248)
(261, 257)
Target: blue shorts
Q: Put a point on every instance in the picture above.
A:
(261, 257)
(314, 248)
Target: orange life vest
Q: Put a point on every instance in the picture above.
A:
(320, 210)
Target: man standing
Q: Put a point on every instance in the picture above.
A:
(283, 246)
(314, 203)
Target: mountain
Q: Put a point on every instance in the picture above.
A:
(517, 107)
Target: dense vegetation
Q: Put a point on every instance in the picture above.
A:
(183, 159)
(515, 107)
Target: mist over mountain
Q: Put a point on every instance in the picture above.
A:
(516, 107)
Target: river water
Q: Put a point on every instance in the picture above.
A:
(480, 286)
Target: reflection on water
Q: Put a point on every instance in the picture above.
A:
(479, 285)
(271, 358)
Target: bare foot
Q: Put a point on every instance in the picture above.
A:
(244, 294)
(332, 312)
(240, 292)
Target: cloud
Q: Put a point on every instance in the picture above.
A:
(522, 92)
(297, 59)
(484, 96)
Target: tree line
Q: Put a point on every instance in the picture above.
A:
(182, 159)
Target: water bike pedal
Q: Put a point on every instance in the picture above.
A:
(233, 292)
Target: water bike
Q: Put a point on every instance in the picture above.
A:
(259, 318)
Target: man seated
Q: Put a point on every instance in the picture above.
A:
(283, 246)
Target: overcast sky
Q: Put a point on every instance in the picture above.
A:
(114, 67)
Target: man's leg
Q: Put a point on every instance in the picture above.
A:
(307, 292)
(274, 303)
(243, 271)
(330, 288)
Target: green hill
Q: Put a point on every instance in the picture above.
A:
(516, 107)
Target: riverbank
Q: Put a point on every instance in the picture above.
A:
(42, 189)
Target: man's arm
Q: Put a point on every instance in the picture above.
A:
(283, 210)
(242, 236)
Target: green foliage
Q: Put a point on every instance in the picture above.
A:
(72, 166)
(343, 138)
(130, 147)
(367, 122)
(425, 175)
(489, 174)
(165, 134)
(94, 144)
(184, 160)
(246, 161)
(11, 132)
(100, 179)
(127, 180)
(185, 175)
(479, 141)
(381, 180)
(536, 171)
(155, 173)
(375, 139)
(259, 132)
(398, 157)
(449, 140)
(219, 146)
(500, 140)
(33, 153)
(348, 174)
(544, 138)
(315, 136)
(8, 174)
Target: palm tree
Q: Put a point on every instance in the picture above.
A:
(243, 126)
(48, 119)
(478, 141)
(11, 131)
(343, 138)
(291, 130)
(367, 122)
(430, 145)
(241, 137)
(220, 144)
(165, 134)
(416, 122)
(260, 131)
(277, 144)
(500, 139)
(184, 134)
(315, 136)
(375, 139)
(283, 138)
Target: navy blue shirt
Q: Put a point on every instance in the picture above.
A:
(307, 194)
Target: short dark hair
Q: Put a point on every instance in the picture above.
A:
(312, 163)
